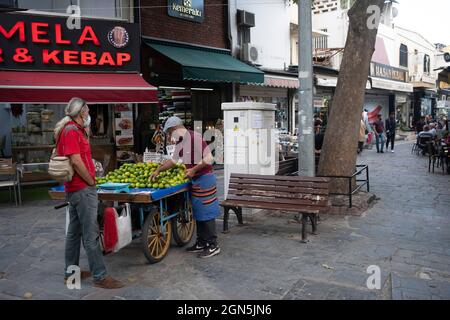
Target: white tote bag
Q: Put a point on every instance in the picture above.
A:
(124, 228)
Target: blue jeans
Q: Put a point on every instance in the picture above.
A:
(380, 138)
(83, 225)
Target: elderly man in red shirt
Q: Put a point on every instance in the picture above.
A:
(72, 141)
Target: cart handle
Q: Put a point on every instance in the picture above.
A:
(62, 206)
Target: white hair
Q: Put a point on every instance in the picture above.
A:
(73, 109)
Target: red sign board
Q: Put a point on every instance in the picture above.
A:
(47, 43)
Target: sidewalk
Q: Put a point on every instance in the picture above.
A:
(406, 234)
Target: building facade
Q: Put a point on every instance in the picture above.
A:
(53, 52)
(266, 45)
(186, 53)
(401, 73)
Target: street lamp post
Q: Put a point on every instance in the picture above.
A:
(306, 161)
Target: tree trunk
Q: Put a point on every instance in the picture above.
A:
(339, 152)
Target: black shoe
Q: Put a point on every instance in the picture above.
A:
(209, 251)
(196, 248)
(382, 151)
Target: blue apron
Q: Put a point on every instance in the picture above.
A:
(205, 204)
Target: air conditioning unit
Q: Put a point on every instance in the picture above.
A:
(447, 57)
(245, 19)
(249, 53)
(443, 60)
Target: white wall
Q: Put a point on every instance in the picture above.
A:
(271, 34)
(415, 41)
(336, 24)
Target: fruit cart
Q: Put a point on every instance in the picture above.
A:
(163, 214)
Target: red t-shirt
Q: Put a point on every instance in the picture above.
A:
(73, 140)
(195, 152)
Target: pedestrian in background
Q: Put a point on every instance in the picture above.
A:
(391, 127)
(362, 135)
(420, 124)
(379, 133)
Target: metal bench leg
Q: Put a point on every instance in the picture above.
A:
(238, 212)
(304, 223)
(15, 195)
(226, 214)
(313, 218)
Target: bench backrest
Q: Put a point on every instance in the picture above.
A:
(287, 192)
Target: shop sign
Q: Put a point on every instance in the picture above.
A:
(192, 10)
(318, 103)
(400, 98)
(392, 85)
(387, 72)
(45, 43)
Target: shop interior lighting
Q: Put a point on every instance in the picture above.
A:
(202, 89)
(174, 88)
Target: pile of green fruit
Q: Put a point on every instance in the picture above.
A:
(138, 176)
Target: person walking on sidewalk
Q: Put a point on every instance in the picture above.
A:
(391, 128)
(193, 151)
(362, 136)
(379, 133)
(72, 141)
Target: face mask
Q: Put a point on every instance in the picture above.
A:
(87, 122)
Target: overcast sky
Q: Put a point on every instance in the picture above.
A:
(430, 18)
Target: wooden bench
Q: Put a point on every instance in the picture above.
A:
(308, 196)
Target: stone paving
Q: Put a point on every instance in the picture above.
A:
(405, 233)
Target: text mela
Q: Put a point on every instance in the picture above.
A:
(39, 32)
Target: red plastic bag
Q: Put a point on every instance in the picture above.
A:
(370, 137)
(110, 233)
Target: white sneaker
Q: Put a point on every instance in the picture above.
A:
(392, 151)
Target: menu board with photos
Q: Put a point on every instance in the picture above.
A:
(123, 127)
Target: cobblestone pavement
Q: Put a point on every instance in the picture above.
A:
(406, 233)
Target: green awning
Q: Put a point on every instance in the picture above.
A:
(208, 64)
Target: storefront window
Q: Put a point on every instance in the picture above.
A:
(321, 111)
(425, 106)
(178, 103)
(32, 131)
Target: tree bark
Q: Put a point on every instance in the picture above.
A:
(339, 152)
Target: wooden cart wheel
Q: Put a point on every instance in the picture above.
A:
(183, 227)
(155, 244)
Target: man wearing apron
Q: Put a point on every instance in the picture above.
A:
(192, 150)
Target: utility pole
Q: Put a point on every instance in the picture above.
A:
(306, 161)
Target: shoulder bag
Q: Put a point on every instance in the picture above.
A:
(60, 168)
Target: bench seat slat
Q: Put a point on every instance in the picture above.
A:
(279, 178)
(236, 186)
(275, 196)
(291, 202)
(248, 182)
(273, 206)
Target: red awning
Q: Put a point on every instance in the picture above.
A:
(60, 87)
(281, 82)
